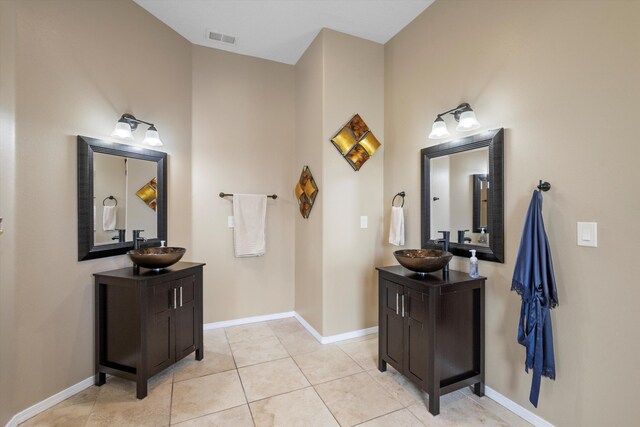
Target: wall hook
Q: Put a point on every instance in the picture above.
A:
(544, 186)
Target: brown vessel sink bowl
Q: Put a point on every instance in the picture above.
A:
(156, 258)
(423, 260)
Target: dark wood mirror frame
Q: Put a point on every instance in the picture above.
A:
(494, 140)
(86, 148)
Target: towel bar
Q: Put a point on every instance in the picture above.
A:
(272, 196)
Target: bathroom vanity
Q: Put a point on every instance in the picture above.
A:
(146, 321)
(432, 329)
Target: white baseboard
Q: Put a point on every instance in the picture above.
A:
(34, 410)
(334, 338)
(516, 409)
(245, 320)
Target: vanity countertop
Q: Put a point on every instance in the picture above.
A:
(435, 279)
(146, 274)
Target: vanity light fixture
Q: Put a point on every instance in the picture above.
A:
(463, 114)
(128, 123)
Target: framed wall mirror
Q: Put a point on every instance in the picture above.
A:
(463, 190)
(121, 188)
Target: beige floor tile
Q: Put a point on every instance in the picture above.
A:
(117, 404)
(217, 358)
(213, 337)
(398, 386)
(401, 418)
(251, 331)
(300, 342)
(358, 339)
(287, 326)
(301, 408)
(271, 378)
(258, 350)
(235, 417)
(459, 412)
(65, 415)
(356, 399)
(327, 364)
(499, 410)
(365, 353)
(205, 395)
(88, 395)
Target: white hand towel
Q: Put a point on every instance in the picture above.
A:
(396, 230)
(249, 220)
(109, 218)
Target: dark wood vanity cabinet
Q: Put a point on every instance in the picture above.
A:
(431, 329)
(147, 320)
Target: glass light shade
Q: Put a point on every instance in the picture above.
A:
(152, 137)
(439, 129)
(122, 131)
(468, 121)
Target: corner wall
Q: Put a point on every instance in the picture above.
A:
(555, 75)
(339, 75)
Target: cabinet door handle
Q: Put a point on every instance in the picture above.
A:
(175, 298)
(397, 303)
(402, 305)
(180, 296)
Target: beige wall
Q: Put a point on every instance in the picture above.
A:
(79, 66)
(243, 114)
(338, 76)
(353, 83)
(562, 79)
(309, 82)
(7, 208)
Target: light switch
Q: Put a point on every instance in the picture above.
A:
(588, 234)
(363, 222)
(230, 221)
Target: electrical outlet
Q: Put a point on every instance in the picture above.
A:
(363, 222)
(230, 221)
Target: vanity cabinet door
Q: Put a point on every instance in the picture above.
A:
(392, 324)
(186, 331)
(160, 329)
(416, 332)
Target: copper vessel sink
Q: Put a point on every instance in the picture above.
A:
(423, 260)
(156, 258)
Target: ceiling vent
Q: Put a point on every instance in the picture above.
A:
(222, 38)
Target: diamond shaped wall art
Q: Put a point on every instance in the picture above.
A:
(355, 142)
(306, 192)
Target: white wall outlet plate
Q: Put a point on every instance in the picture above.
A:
(588, 234)
(230, 221)
(363, 222)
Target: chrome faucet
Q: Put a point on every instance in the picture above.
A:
(445, 246)
(137, 239)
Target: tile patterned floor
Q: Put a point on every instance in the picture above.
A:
(274, 374)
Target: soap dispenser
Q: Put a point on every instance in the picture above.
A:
(473, 265)
(483, 237)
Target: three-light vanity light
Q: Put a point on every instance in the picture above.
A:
(463, 114)
(128, 123)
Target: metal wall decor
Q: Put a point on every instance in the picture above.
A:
(355, 142)
(149, 193)
(306, 192)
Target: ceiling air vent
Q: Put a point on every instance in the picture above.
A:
(222, 38)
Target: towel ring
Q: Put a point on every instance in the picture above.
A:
(104, 202)
(401, 194)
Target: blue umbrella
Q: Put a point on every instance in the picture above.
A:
(533, 280)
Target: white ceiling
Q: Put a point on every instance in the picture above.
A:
(281, 30)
